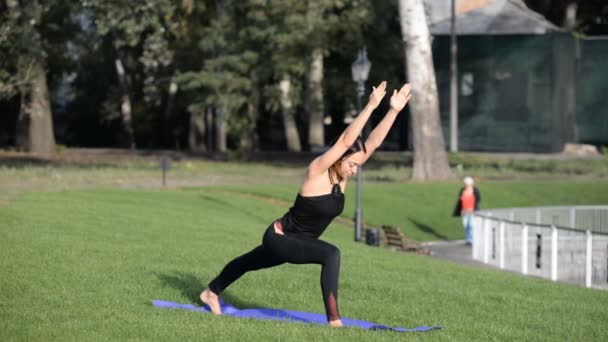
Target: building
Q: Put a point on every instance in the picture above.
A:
(525, 85)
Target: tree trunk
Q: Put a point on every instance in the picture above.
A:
(196, 131)
(430, 158)
(248, 141)
(316, 132)
(289, 122)
(210, 123)
(125, 107)
(41, 134)
(569, 98)
(564, 92)
(35, 131)
(220, 120)
(22, 125)
(220, 130)
(167, 132)
(570, 16)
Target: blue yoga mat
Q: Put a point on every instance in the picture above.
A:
(286, 315)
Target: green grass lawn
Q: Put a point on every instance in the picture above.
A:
(423, 211)
(84, 265)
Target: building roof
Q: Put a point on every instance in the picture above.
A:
(497, 17)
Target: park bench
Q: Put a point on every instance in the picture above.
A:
(391, 237)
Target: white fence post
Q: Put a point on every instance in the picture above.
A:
(501, 245)
(572, 217)
(476, 236)
(524, 249)
(486, 242)
(589, 260)
(553, 253)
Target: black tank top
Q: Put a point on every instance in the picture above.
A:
(311, 215)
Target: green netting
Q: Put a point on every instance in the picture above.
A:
(592, 92)
(525, 93)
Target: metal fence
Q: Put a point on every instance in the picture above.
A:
(567, 244)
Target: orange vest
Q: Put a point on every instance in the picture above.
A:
(467, 200)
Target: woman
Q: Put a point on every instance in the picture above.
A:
(295, 237)
(468, 201)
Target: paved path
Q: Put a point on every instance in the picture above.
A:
(456, 251)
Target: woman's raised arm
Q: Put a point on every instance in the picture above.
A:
(350, 134)
(398, 100)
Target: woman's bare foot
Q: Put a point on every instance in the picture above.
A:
(336, 324)
(212, 300)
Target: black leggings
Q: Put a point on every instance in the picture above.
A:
(292, 248)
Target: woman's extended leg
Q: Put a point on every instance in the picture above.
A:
(304, 250)
(256, 259)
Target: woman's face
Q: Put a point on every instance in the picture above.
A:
(350, 165)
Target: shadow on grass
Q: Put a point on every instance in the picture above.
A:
(262, 219)
(427, 229)
(191, 286)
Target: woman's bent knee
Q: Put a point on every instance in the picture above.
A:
(332, 255)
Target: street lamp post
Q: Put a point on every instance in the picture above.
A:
(360, 70)
(453, 82)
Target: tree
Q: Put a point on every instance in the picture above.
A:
(587, 17)
(288, 44)
(430, 158)
(332, 27)
(316, 17)
(227, 39)
(23, 72)
(251, 61)
(139, 33)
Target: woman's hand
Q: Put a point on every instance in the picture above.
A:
(377, 94)
(400, 98)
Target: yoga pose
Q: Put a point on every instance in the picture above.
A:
(294, 238)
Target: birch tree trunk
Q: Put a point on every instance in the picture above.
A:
(430, 158)
(316, 131)
(289, 122)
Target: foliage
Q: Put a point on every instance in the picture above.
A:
(139, 36)
(591, 16)
(20, 43)
(226, 54)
